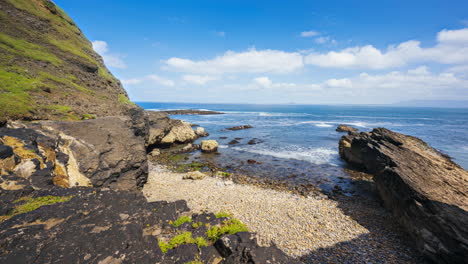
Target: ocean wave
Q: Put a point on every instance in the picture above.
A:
(316, 156)
(333, 123)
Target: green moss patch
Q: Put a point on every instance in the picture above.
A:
(184, 238)
(29, 204)
(223, 214)
(181, 220)
(230, 226)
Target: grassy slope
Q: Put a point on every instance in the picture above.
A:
(48, 69)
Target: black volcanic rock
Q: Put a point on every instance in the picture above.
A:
(424, 189)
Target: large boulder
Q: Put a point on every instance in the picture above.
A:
(346, 128)
(166, 131)
(103, 152)
(209, 146)
(424, 189)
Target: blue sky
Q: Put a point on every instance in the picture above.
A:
(327, 52)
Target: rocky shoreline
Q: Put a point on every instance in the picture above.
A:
(105, 160)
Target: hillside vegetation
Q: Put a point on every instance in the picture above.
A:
(48, 69)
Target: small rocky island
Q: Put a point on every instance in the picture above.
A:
(84, 176)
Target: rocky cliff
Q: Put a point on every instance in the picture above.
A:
(424, 189)
(48, 69)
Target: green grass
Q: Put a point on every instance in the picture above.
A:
(181, 220)
(67, 81)
(30, 204)
(230, 226)
(184, 238)
(14, 98)
(223, 214)
(124, 100)
(88, 116)
(23, 48)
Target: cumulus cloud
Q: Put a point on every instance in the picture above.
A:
(149, 78)
(199, 79)
(308, 34)
(132, 81)
(111, 60)
(324, 40)
(451, 48)
(250, 61)
(265, 82)
(160, 80)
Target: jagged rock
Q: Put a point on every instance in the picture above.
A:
(239, 127)
(101, 152)
(346, 128)
(200, 131)
(423, 188)
(95, 226)
(242, 247)
(194, 175)
(208, 146)
(233, 142)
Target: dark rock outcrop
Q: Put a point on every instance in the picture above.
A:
(192, 112)
(346, 128)
(424, 189)
(102, 152)
(243, 248)
(239, 127)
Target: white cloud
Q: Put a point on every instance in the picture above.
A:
(338, 83)
(308, 34)
(452, 48)
(199, 79)
(265, 82)
(250, 61)
(324, 40)
(132, 81)
(220, 33)
(111, 60)
(160, 80)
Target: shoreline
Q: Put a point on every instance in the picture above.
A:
(302, 227)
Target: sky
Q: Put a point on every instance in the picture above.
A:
(281, 52)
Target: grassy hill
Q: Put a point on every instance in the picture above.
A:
(48, 69)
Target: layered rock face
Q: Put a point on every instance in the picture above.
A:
(104, 152)
(49, 70)
(425, 190)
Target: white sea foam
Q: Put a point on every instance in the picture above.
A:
(313, 155)
(323, 125)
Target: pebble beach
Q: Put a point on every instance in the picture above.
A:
(312, 229)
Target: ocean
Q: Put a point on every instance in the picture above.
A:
(301, 139)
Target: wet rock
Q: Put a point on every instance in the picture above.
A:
(254, 141)
(209, 146)
(194, 175)
(423, 188)
(346, 128)
(239, 127)
(251, 161)
(223, 137)
(200, 131)
(233, 142)
(5, 151)
(192, 112)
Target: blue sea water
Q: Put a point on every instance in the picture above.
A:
(307, 132)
